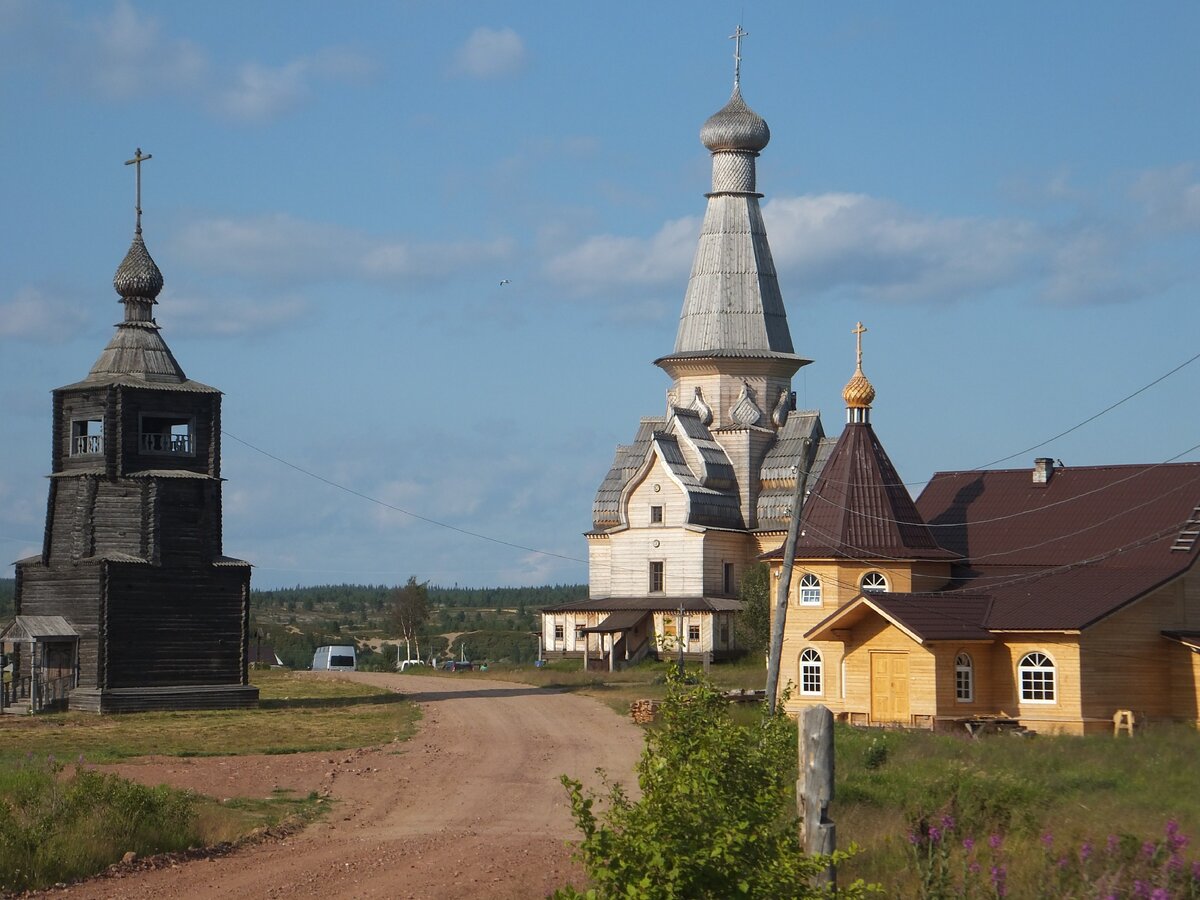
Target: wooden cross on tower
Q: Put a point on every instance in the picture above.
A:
(736, 37)
(858, 332)
(137, 160)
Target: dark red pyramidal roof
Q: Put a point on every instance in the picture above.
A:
(860, 509)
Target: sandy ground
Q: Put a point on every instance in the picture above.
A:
(470, 807)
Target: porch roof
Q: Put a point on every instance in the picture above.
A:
(923, 617)
(36, 628)
(619, 621)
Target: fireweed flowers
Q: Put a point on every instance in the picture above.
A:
(952, 865)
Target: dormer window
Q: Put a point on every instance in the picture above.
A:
(170, 435)
(87, 437)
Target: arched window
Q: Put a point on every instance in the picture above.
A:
(811, 673)
(873, 583)
(1036, 671)
(810, 590)
(964, 678)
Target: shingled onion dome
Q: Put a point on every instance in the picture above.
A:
(734, 135)
(138, 281)
(859, 393)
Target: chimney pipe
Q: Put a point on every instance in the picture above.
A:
(1043, 470)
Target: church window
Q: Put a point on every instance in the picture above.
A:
(724, 633)
(559, 632)
(656, 577)
(728, 583)
(656, 515)
(580, 637)
(1036, 671)
(873, 583)
(87, 437)
(964, 678)
(167, 434)
(811, 672)
(668, 626)
(810, 590)
(693, 632)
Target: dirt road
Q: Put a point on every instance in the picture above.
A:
(471, 807)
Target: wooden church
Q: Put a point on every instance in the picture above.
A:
(707, 486)
(1054, 598)
(131, 604)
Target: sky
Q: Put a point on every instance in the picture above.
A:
(1007, 195)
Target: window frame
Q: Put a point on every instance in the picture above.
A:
(658, 576)
(728, 582)
(83, 436)
(883, 588)
(170, 421)
(656, 514)
(812, 673)
(693, 631)
(1032, 671)
(964, 678)
(560, 631)
(810, 586)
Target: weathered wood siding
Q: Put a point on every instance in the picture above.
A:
(599, 566)
(177, 626)
(72, 592)
(1126, 663)
(202, 409)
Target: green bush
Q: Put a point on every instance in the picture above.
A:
(55, 828)
(716, 818)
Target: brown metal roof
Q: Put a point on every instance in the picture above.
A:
(925, 617)
(1064, 554)
(619, 621)
(860, 509)
(649, 604)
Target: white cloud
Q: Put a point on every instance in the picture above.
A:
(604, 260)
(490, 53)
(260, 92)
(845, 243)
(229, 317)
(131, 57)
(282, 248)
(32, 315)
(1169, 198)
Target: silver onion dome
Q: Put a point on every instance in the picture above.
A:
(138, 275)
(735, 127)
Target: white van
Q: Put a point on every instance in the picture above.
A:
(335, 659)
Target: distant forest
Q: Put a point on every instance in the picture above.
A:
(490, 623)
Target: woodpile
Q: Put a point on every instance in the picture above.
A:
(643, 712)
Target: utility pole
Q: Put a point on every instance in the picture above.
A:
(785, 579)
(679, 637)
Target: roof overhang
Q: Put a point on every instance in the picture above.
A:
(619, 621)
(854, 613)
(27, 629)
(1189, 639)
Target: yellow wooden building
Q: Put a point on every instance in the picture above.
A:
(1053, 598)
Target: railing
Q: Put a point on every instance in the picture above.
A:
(83, 444)
(167, 443)
(52, 692)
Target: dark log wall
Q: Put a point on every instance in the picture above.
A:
(186, 517)
(177, 626)
(79, 406)
(201, 408)
(72, 592)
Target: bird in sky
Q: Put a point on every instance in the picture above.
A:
(504, 281)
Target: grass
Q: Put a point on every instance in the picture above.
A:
(296, 713)
(1076, 789)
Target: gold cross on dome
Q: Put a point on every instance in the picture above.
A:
(858, 332)
(137, 160)
(736, 37)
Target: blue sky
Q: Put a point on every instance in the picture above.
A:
(1008, 195)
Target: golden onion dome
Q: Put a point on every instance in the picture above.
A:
(859, 392)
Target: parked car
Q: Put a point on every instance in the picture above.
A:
(408, 663)
(457, 665)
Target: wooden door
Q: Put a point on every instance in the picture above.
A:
(889, 687)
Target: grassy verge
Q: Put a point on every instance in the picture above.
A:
(60, 826)
(1041, 799)
(297, 712)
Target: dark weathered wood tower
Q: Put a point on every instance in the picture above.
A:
(131, 559)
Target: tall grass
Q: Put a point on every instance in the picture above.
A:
(57, 826)
(894, 784)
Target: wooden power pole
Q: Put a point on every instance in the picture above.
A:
(814, 786)
(785, 580)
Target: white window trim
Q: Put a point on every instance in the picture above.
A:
(820, 593)
(1052, 668)
(969, 669)
(887, 587)
(820, 669)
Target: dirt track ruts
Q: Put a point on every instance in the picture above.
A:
(469, 807)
